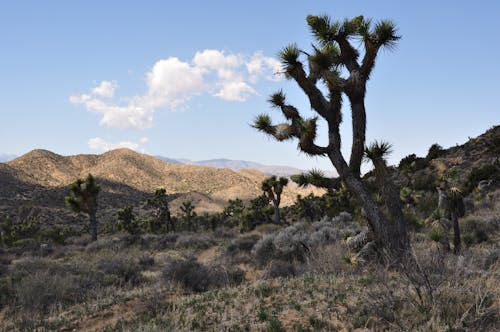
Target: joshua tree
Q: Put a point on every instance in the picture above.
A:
(127, 220)
(161, 211)
(273, 188)
(189, 214)
(332, 56)
(457, 210)
(83, 198)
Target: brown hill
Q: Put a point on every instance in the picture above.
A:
(209, 188)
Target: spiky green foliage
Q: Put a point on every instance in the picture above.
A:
(274, 185)
(313, 177)
(378, 150)
(277, 99)
(264, 123)
(385, 34)
(322, 28)
(290, 55)
(83, 195)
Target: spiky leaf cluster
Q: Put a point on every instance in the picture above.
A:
(83, 195)
(378, 150)
(273, 186)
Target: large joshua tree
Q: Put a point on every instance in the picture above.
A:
(273, 188)
(83, 198)
(335, 63)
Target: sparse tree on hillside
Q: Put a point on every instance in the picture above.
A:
(333, 55)
(189, 214)
(161, 211)
(127, 220)
(83, 198)
(273, 188)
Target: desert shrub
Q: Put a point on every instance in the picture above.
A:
(279, 269)
(194, 276)
(146, 260)
(122, 269)
(424, 180)
(486, 172)
(268, 228)
(127, 221)
(57, 234)
(435, 151)
(293, 242)
(475, 230)
(224, 233)
(40, 292)
(160, 242)
(426, 203)
(342, 217)
(194, 240)
(327, 260)
(242, 244)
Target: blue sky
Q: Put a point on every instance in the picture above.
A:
(185, 79)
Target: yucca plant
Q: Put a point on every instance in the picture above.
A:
(335, 64)
(83, 198)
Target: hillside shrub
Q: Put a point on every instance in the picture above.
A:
(486, 172)
(121, 269)
(194, 276)
(294, 242)
(279, 269)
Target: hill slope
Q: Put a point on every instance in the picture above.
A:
(126, 171)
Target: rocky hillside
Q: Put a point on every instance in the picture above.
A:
(41, 177)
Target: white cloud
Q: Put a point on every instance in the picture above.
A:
(105, 89)
(102, 145)
(144, 140)
(171, 83)
(235, 91)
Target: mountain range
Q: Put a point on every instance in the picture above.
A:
(235, 165)
(41, 178)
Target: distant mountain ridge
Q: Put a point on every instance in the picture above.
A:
(127, 173)
(237, 165)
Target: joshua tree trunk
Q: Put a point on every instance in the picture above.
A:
(277, 217)
(456, 233)
(93, 226)
(358, 133)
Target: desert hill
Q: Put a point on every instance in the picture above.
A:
(129, 175)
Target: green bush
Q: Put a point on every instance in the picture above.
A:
(486, 172)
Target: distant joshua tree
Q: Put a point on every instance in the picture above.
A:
(332, 56)
(189, 214)
(83, 198)
(161, 211)
(273, 188)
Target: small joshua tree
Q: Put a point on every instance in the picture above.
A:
(333, 56)
(273, 188)
(127, 220)
(83, 198)
(189, 214)
(161, 211)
